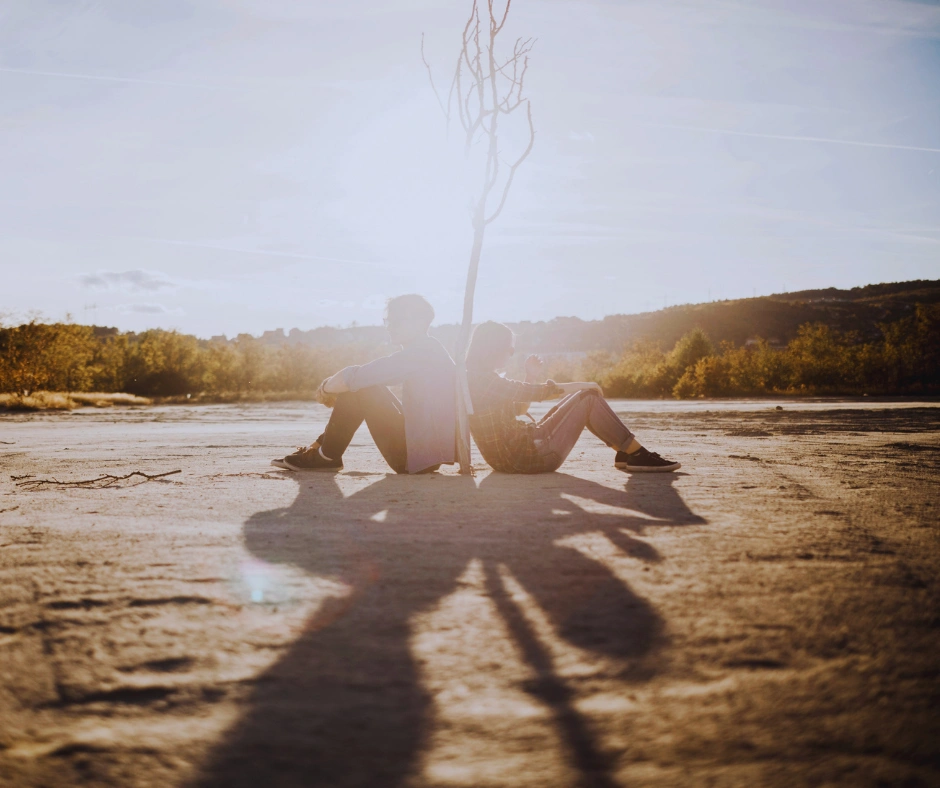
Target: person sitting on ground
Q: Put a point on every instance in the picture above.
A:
(513, 446)
(414, 435)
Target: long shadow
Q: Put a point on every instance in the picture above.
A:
(345, 706)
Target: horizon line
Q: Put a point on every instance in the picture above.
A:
(355, 325)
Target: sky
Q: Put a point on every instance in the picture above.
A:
(229, 166)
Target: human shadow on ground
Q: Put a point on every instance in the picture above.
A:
(345, 706)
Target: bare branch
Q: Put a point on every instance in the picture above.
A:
(518, 78)
(474, 64)
(482, 94)
(456, 89)
(463, 107)
(478, 62)
(492, 158)
(475, 68)
(497, 27)
(105, 480)
(427, 65)
(521, 48)
(454, 86)
(512, 170)
(466, 103)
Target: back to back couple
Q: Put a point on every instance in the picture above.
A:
(418, 433)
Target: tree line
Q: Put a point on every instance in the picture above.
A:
(820, 360)
(63, 357)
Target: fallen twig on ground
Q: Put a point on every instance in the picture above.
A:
(11, 509)
(105, 480)
(16, 478)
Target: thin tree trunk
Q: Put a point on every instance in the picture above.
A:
(464, 405)
(479, 114)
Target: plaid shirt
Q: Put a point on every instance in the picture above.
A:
(506, 443)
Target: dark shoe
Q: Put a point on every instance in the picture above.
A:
(305, 459)
(644, 461)
(282, 461)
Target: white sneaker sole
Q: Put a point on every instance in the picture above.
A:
(646, 469)
(281, 464)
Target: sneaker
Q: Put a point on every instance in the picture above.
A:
(306, 459)
(644, 461)
(282, 461)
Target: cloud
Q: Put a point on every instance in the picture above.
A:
(147, 309)
(135, 281)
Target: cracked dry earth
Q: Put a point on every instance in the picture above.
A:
(768, 616)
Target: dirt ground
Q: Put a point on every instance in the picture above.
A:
(770, 615)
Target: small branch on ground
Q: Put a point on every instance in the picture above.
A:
(11, 509)
(105, 480)
(8, 443)
(24, 476)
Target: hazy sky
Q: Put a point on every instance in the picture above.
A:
(221, 166)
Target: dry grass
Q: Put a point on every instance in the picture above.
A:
(38, 400)
(56, 400)
(232, 397)
(100, 400)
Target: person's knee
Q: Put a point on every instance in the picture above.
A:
(589, 394)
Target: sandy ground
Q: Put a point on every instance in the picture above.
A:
(768, 616)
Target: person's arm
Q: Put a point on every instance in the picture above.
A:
(388, 371)
(517, 391)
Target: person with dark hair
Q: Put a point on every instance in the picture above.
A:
(513, 446)
(414, 435)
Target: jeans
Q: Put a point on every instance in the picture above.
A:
(560, 428)
(382, 413)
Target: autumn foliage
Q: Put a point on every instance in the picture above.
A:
(819, 360)
(71, 358)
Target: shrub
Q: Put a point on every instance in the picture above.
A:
(63, 357)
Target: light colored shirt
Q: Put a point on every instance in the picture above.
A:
(428, 379)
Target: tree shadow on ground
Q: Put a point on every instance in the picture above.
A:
(345, 706)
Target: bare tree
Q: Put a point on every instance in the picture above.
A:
(485, 88)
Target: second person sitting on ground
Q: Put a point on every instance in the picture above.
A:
(513, 446)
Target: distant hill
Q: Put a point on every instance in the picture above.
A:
(774, 317)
